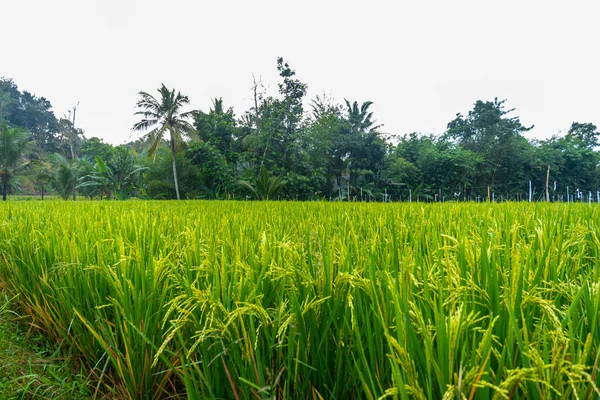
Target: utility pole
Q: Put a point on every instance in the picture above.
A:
(530, 191)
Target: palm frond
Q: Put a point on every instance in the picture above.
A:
(144, 124)
(155, 137)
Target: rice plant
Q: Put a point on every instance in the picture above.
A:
(315, 300)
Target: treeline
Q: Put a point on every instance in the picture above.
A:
(285, 147)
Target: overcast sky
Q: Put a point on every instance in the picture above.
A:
(420, 62)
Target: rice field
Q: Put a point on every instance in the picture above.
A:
(264, 300)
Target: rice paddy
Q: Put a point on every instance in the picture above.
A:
(243, 300)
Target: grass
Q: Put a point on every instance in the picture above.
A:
(314, 300)
(32, 368)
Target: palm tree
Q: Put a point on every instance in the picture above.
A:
(165, 116)
(65, 176)
(117, 178)
(360, 118)
(13, 142)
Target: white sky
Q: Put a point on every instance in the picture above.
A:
(420, 62)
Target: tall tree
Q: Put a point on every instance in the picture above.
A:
(572, 162)
(360, 119)
(489, 132)
(215, 175)
(292, 92)
(217, 127)
(439, 164)
(275, 137)
(325, 143)
(70, 137)
(28, 111)
(587, 133)
(364, 148)
(13, 142)
(9, 99)
(165, 115)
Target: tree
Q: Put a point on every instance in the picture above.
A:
(95, 147)
(276, 133)
(165, 115)
(217, 127)
(587, 133)
(29, 112)
(490, 133)
(118, 178)
(324, 142)
(65, 176)
(34, 115)
(292, 92)
(397, 171)
(9, 99)
(159, 176)
(43, 177)
(360, 119)
(70, 137)
(363, 149)
(13, 143)
(215, 175)
(572, 163)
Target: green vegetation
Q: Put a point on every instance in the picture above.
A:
(165, 116)
(30, 367)
(13, 142)
(306, 148)
(314, 300)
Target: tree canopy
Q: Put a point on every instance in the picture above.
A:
(289, 147)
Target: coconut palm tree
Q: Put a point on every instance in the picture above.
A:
(117, 178)
(65, 176)
(13, 143)
(164, 115)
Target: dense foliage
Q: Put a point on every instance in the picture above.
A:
(320, 151)
(315, 300)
